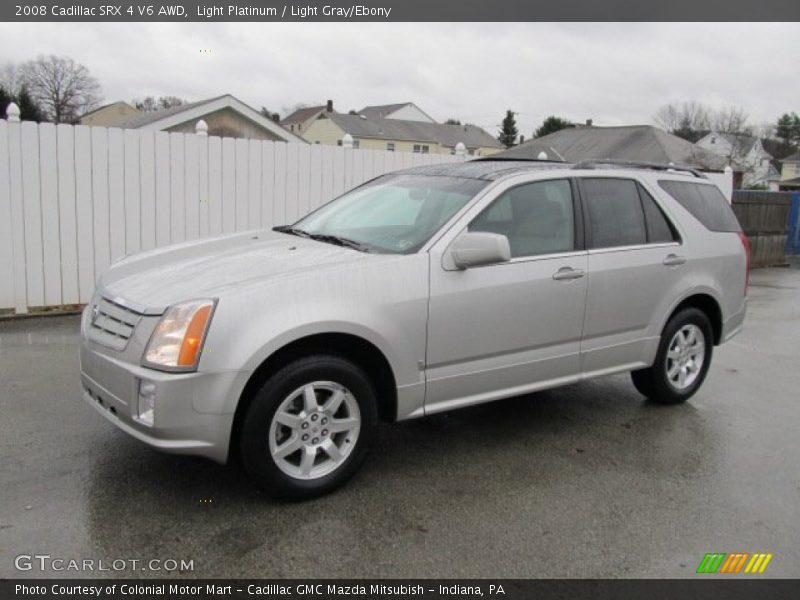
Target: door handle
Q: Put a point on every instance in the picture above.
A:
(567, 273)
(673, 260)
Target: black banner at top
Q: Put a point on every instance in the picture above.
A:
(399, 10)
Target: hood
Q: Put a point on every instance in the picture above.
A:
(151, 281)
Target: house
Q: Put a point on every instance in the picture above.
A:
(405, 111)
(226, 116)
(299, 121)
(400, 135)
(109, 115)
(790, 172)
(636, 143)
(751, 163)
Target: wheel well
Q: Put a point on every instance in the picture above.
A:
(710, 307)
(358, 350)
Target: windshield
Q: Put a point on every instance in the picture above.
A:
(392, 214)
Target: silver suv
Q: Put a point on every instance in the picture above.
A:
(418, 292)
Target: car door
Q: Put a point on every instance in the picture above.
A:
(636, 262)
(503, 329)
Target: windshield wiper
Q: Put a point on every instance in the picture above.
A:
(292, 231)
(339, 241)
(323, 237)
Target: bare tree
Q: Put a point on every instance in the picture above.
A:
(151, 104)
(684, 119)
(62, 87)
(733, 119)
(11, 78)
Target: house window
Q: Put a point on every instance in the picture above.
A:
(421, 149)
(356, 144)
(390, 146)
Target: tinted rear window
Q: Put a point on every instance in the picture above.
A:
(659, 229)
(615, 212)
(705, 202)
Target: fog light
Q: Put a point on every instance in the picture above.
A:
(147, 403)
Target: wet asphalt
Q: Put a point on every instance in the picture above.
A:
(589, 480)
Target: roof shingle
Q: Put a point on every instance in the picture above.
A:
(414, 131)
(638, 143)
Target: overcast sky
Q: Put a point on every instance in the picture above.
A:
(613, 73)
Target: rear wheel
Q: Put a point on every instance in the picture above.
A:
(682, 361)
(309, 427)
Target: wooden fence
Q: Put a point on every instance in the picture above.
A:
(73, 199)
(764, 216)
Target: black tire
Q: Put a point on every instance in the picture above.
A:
(654, 382)
(254, 442)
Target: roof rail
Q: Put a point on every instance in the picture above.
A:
(497, 158)
(624, 164)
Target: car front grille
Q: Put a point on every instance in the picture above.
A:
(112, 325)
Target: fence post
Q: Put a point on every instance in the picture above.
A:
(542, 155)
(461, 149)
(12, 112)
(347, 141)
(20, 280)
(793, 234)
(201, 128)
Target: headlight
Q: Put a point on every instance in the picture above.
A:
(177, 342)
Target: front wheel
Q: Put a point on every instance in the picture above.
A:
(682, 361)
(309, 427)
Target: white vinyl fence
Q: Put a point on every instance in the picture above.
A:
(73, 199)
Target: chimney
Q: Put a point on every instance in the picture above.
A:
(276, 117)
(522, 139)
(329, 107)
(589, 122)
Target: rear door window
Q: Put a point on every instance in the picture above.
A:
(616, 217)
(706, 203)
(659, 229)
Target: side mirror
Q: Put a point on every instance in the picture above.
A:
(476, 248)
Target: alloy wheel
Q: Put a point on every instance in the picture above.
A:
(314, 430)
(685, 356)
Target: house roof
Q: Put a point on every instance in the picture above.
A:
(99, 108)
(382, 111)
(791, 158)
(152, 116)
(744, 141)
(170, 117)
(301, 115)
(640, 143)
(413, 131)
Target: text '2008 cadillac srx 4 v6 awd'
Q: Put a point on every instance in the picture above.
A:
(420, 291)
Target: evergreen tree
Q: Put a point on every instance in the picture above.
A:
(5, 100)
(552, 124)
(29, 110)
(508, 131)
(788, 129)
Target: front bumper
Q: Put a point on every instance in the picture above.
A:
(111, 384)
